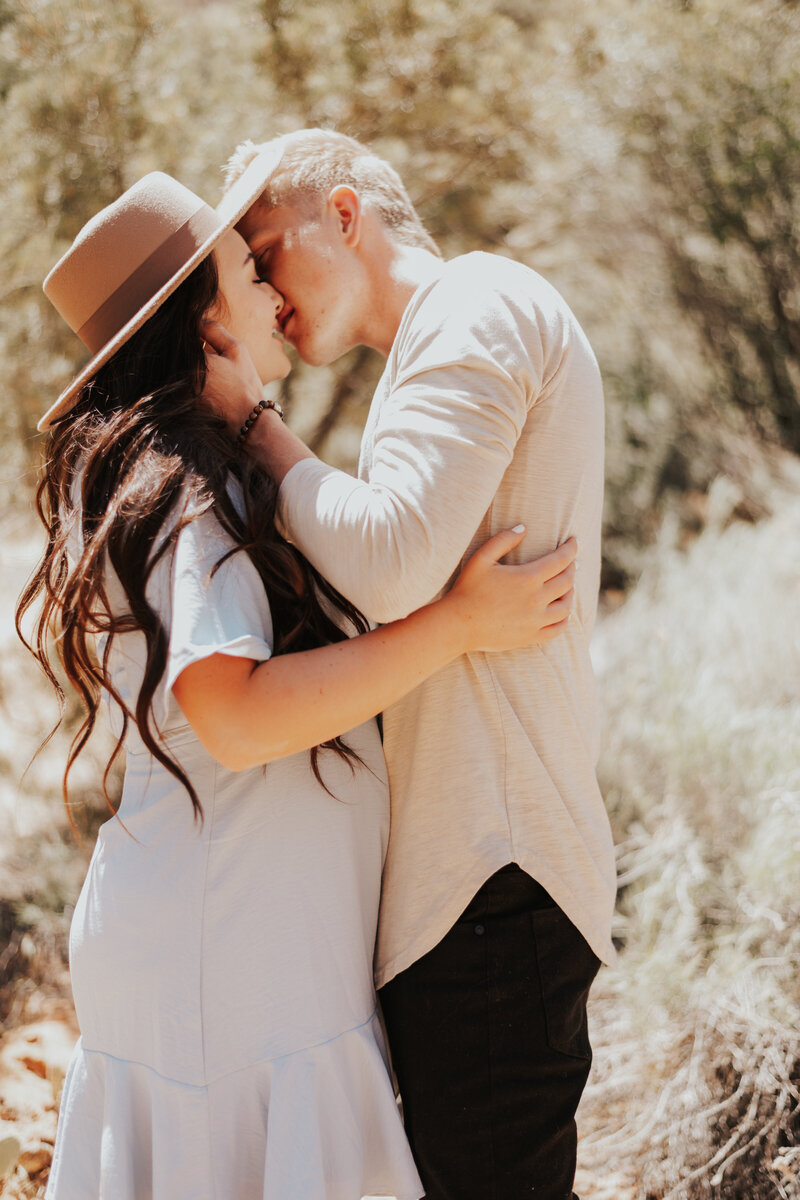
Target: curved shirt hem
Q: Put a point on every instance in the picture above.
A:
(600, 942)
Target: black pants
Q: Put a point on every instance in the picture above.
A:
(489, 1041)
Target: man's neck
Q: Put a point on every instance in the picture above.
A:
(397, 273)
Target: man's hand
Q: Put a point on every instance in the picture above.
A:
(233, 387)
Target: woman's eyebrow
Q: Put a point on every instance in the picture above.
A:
(249, 258)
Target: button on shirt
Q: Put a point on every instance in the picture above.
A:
(489, 413)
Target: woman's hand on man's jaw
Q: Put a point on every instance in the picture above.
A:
(233, 387)
(232, 391)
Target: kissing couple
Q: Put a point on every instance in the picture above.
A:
(243, 612)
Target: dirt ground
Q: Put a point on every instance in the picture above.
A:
(33, 1061)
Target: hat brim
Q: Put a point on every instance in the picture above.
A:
(233, 206)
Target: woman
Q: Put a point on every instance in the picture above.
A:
(221, 947)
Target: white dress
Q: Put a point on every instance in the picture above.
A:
(222, 971)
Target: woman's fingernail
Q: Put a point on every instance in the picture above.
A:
(518, 529)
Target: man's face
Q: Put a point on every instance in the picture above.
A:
(302, 256)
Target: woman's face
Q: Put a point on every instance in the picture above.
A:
(249, 307)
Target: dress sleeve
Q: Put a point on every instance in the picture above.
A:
(207, 608)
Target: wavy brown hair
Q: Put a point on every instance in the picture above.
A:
(119, 467)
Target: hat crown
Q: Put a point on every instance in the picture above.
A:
(125, 254)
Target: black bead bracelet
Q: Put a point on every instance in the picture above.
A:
(255, 414)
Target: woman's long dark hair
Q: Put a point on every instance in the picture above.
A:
(135, 445)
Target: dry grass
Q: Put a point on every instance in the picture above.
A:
(696, 1088)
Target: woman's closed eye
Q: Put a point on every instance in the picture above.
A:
(261, 262)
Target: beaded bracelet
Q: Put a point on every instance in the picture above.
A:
(255, 414)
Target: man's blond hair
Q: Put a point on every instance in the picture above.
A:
(316, 160)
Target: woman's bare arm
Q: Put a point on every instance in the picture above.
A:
(246, 713)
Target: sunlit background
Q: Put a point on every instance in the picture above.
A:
(644, 155)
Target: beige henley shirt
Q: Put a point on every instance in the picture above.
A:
(489, 412)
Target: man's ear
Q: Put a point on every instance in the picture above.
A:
(346, 206)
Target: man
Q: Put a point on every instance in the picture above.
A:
(499, 882)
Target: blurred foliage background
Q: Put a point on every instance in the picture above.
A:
(644, 155)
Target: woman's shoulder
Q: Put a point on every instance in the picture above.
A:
(199, 562)
(195, 524)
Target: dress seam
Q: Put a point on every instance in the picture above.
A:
(247, 1067)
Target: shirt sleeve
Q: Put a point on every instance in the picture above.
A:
(468, 372)
(207, 608)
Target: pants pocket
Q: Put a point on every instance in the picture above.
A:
(566, 967)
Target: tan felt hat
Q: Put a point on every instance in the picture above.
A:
(133, 254)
